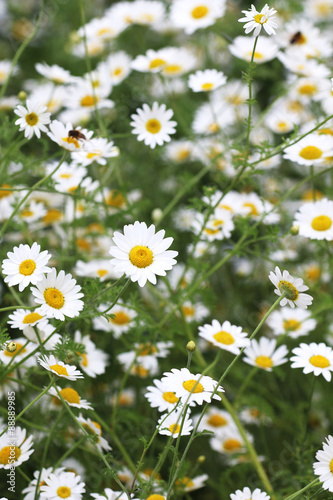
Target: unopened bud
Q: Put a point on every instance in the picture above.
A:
(201, 459)
(22, 95)
(294, 230)
(191, 346)
(156, 215)
(11, 346)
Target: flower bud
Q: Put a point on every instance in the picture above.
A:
(156, 215)
(191, 346)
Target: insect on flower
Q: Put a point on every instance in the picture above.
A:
(76, 134)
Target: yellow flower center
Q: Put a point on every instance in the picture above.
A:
(88, 100)
(331, 466)
(54, 298)
(156, 63)
(252, 207)
(64, 492)
(207, 86)
(92, 155)
(117, 71)
(27, 267)
(189, 384)
(120, 318)
(155, 496)
(232, 444)
(319, 361)
(170, 397)
(217, 421)
(31, 318)
(102, 272)
(283, 126)
(71, 140)
(307, 89)
(310, 153)
(256, 57)
(291, 291)
(88, 429)
(140, 371)
(153, 126)
(209, 231)
(200, 12)
(183, 154)
(52, 215)
(105, 31)
(185, 482)
(264, 362)
(18, 348)
(9, 453)
(4, 192)
(27, 213)
(213, 127)
(308, 195)
(172, 69)
(83, 244)
(60, 370)
(224, 338)
(31, 119)
(147, 350)
(174, 428)
(115, 199)
(313, 273)
(84, 360)
(70, 395)
(188, 310)
(141, 256)
(291, 325)
(321, 223)
(258, 19)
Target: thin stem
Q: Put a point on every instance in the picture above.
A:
(117, 297)
(299, 492)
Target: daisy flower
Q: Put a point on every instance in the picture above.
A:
(22, 351)
(94, 361)
(242, 47)
(141, 254)
(32, 118)
(285, 283)
(55, 73)
(30, 490)
(62, 485)
(312, 150)
(58, 295)
(263, 355)
(229, 441)
(120, 319)
(226, 336)
(153, 125)
(94, 429)
(170, 424)
(315, 220)
(186, 483)
(15, 447)
(159, 397)
(292, 322)
(246, 494)
(206, 81)
(63, 135)
(59, 368)
(25, 265)
(256, 20)
(71, 397)
(314, 358)
(214, 420)
(194, 14)
(109, 494)
(323, 468)
(99, 150)
(193, 389)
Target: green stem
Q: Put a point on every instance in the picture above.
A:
(118, 297)
(298, 493)
(244, 385)
(248, 131)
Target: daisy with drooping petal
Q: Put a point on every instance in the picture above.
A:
(161, 398)
(206, 81)
(62, 485)
(292, 322)
(312, 150)
(25, 265)
(141, 254)
(32, 118)
(315, 220)
(247, 494)
(314, 358)
(226, 336)
(94, 429)
(153, 125)
(170, 424)
(59, 296)
(323, 468)
(193, 389)
(262, 354)
(62, 135)
(256, 20)
(194, 14)
(285, 283)
(59, 368)
(15, 447)
(71, 397)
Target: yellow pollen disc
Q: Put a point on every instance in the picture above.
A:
(325, 131)
(120, 318)
(185, 482)
(9, 453)
(31, 119)
(147, 350)
(84, 360)
(308, 195)
(83, 244)
(291, 291)
(313, 273)
(189, 384)
(88, 100)
(264, 362)
(282, 126)
(232, 444)
(213, 127)
(321, 223)
(31, 318)
(218, 222)
(71, 140)
(257, 56)
(105, 31)
(115, 199)
(96, 424)
(60, 370)
(18, 348)
(4, 192)
(331, 466)
(188, 310)
(92, 155)
(174, 428)
(155, 496)
(170, 397)
(183, 154)
(319, 361)
(217, 421)
(118, 71)
(54, 298)
(63, 492)
(52, 215)
(209, 231)
(27, 267)
(102, 272)
(156, 63)
(200, 12)
(224, 338)
(141, 256)
(66, 176)
(307, 89)
(207, 86)
(27, 213)
(70, 395)
(254, 412)
(291, 325)
(252, 207)
(258, 19)
(88, 429)
(310, 153)
(140, 371)
(153, 126)
(172, 69)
